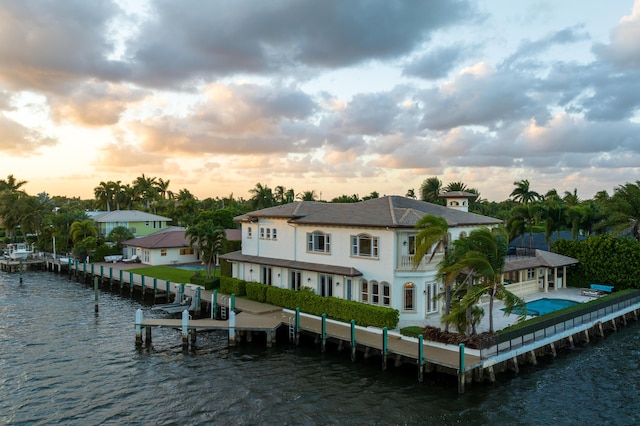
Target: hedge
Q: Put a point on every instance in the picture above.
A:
(235, 286)
(208, 283)
(338, 309)
(603, 259)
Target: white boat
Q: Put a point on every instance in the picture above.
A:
(19, 251)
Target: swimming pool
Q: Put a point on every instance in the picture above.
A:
(544, 306)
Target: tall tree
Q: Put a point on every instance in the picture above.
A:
(430, 190)
(481, 258)
(433, 235)
(308, 196)
(208, 237)
(262, 197)
(623, 210)
(523, 193)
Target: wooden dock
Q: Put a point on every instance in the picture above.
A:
(249, 317)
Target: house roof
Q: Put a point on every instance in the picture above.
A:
(458, 194)
(171, 237)
(237, 256)
(233, 234)
(540, 258)
(127, 216)
(389, 211)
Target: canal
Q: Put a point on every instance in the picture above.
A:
(62, 363)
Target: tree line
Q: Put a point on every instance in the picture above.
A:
(40, 217)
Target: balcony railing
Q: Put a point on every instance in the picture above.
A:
(405, 262)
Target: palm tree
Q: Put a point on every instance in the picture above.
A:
(104, 193)
(430, 190)
(623, 210)
(162, 187)
(523, 194)
(10, 195)
(145, 189)
(307, 196)
(210, 240)
(433, 235)
(82, 230)
(481, 258)
(262, 197)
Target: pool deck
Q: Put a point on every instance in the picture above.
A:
(500, 320)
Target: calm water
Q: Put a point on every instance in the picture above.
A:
(62, 364)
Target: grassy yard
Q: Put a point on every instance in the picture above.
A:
(175, 275)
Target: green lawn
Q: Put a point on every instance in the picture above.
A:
(175, 275)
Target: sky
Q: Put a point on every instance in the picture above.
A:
(338, 97)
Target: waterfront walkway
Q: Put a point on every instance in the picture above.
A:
(253, 313)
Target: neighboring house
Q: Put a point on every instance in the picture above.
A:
(357, 251)
(140, 223)
(165, 247)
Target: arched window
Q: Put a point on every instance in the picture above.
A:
(409, 303)
(463, 235)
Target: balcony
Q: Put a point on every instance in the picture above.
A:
(405, 262)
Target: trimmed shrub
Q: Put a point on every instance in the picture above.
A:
(257, 292)
(235, 286)
(208, 283)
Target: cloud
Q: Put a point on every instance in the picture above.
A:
(478, 95)
(20, 141)
(436, 63)
(95, 103)
(59, 44)
(194, 39)
(623, 49)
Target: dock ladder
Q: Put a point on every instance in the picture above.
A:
(292, 329)
(224, 306)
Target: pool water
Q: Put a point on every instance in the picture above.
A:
(544, 306)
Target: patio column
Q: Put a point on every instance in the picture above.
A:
(545, 280)
(555, 278)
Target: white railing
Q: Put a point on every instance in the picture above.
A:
(405, 262)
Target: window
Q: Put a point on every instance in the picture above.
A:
(375, 292)
(295, 280)
(186, 251)
(412, 244)
(364, 245)
(386, 293)
(463, 235)
(409, 297)
(268, 233)
(318, 242)
(274, 233)
(432, 301)
(261, 232)
(146, 223)
(364, 291)
(326, 285)
(163, 252)
(266, 275)
(249, 232)
(531, 274)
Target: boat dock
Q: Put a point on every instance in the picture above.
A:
(243, 319)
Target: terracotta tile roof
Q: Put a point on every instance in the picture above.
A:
(237, 256)
(165, 239)
(390, 211)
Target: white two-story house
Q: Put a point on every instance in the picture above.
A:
(356, 251)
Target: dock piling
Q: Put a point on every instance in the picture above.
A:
(139, 328)
(95, 293)
(185, 329)
(420, 358)
(384, 348)
(461, 378)
(353, 340)
(232, 328)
